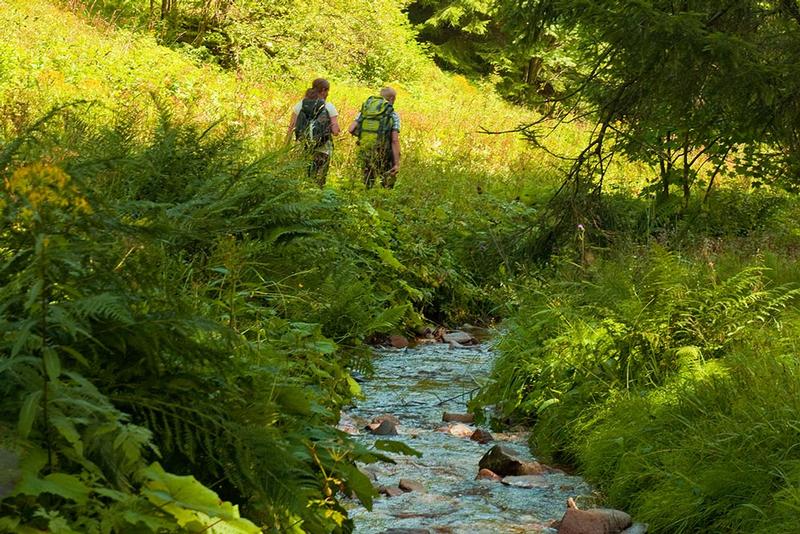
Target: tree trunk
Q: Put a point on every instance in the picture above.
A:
(686, 173)
(166, 8)
(532, 72)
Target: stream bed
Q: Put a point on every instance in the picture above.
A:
(417, 385)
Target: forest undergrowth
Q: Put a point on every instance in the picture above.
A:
(182, 308)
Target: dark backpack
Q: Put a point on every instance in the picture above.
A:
(374, 128)
(313, 126)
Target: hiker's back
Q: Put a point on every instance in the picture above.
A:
(377, 127)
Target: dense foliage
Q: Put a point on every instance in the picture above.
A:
(667, 377)
(483, 39)
(281, 38)
(693, 89)
(181, 309)
(138, 325)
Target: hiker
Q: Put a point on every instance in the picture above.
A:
(314, 122)
(377, 127)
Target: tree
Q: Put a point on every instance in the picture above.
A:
(474, 37)
(692, 87)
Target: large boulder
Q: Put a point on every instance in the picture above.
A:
(594, 521)
(504, 462)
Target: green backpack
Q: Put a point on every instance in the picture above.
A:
(375, 125)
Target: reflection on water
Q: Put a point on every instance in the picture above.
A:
(417, 385)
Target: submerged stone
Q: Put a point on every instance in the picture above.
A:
(390, 491)
(481, 436)
(459, 430)
(527, 481)
(486, 474)
(411, 485)
(462, 338)
(636, 528)
(384, 428)
(458, 417)
(398, 342)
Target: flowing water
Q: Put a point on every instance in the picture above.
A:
(417, 385)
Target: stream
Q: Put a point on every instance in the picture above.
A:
(417, 385)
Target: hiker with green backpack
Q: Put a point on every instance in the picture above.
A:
(314, 123)
(377, 127)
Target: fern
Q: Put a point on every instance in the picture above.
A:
(99, 317)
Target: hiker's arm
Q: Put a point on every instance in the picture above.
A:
(352, 128)
(335, 130)
(290, 131)
(395, 152)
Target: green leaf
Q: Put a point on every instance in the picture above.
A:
(323, 346)
(59, 525)
(9, 524)
(75, 354)
(546, 404)
(109, 493)
(152, 522)
(195, 506)
(27, 414)
(396, 446)
(388, 258)
(360, 484)
(33, 293)
(66, 428)
(61, 484)
(355, 388)
(23, 335)
(387, 319)
(52, 364)
(293, 400)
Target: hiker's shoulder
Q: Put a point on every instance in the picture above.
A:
(331, 109)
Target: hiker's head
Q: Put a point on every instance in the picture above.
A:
(319, 89)
(389, 94)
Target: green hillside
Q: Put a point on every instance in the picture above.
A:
(54, 56)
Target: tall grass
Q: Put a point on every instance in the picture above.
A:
(669, 379)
